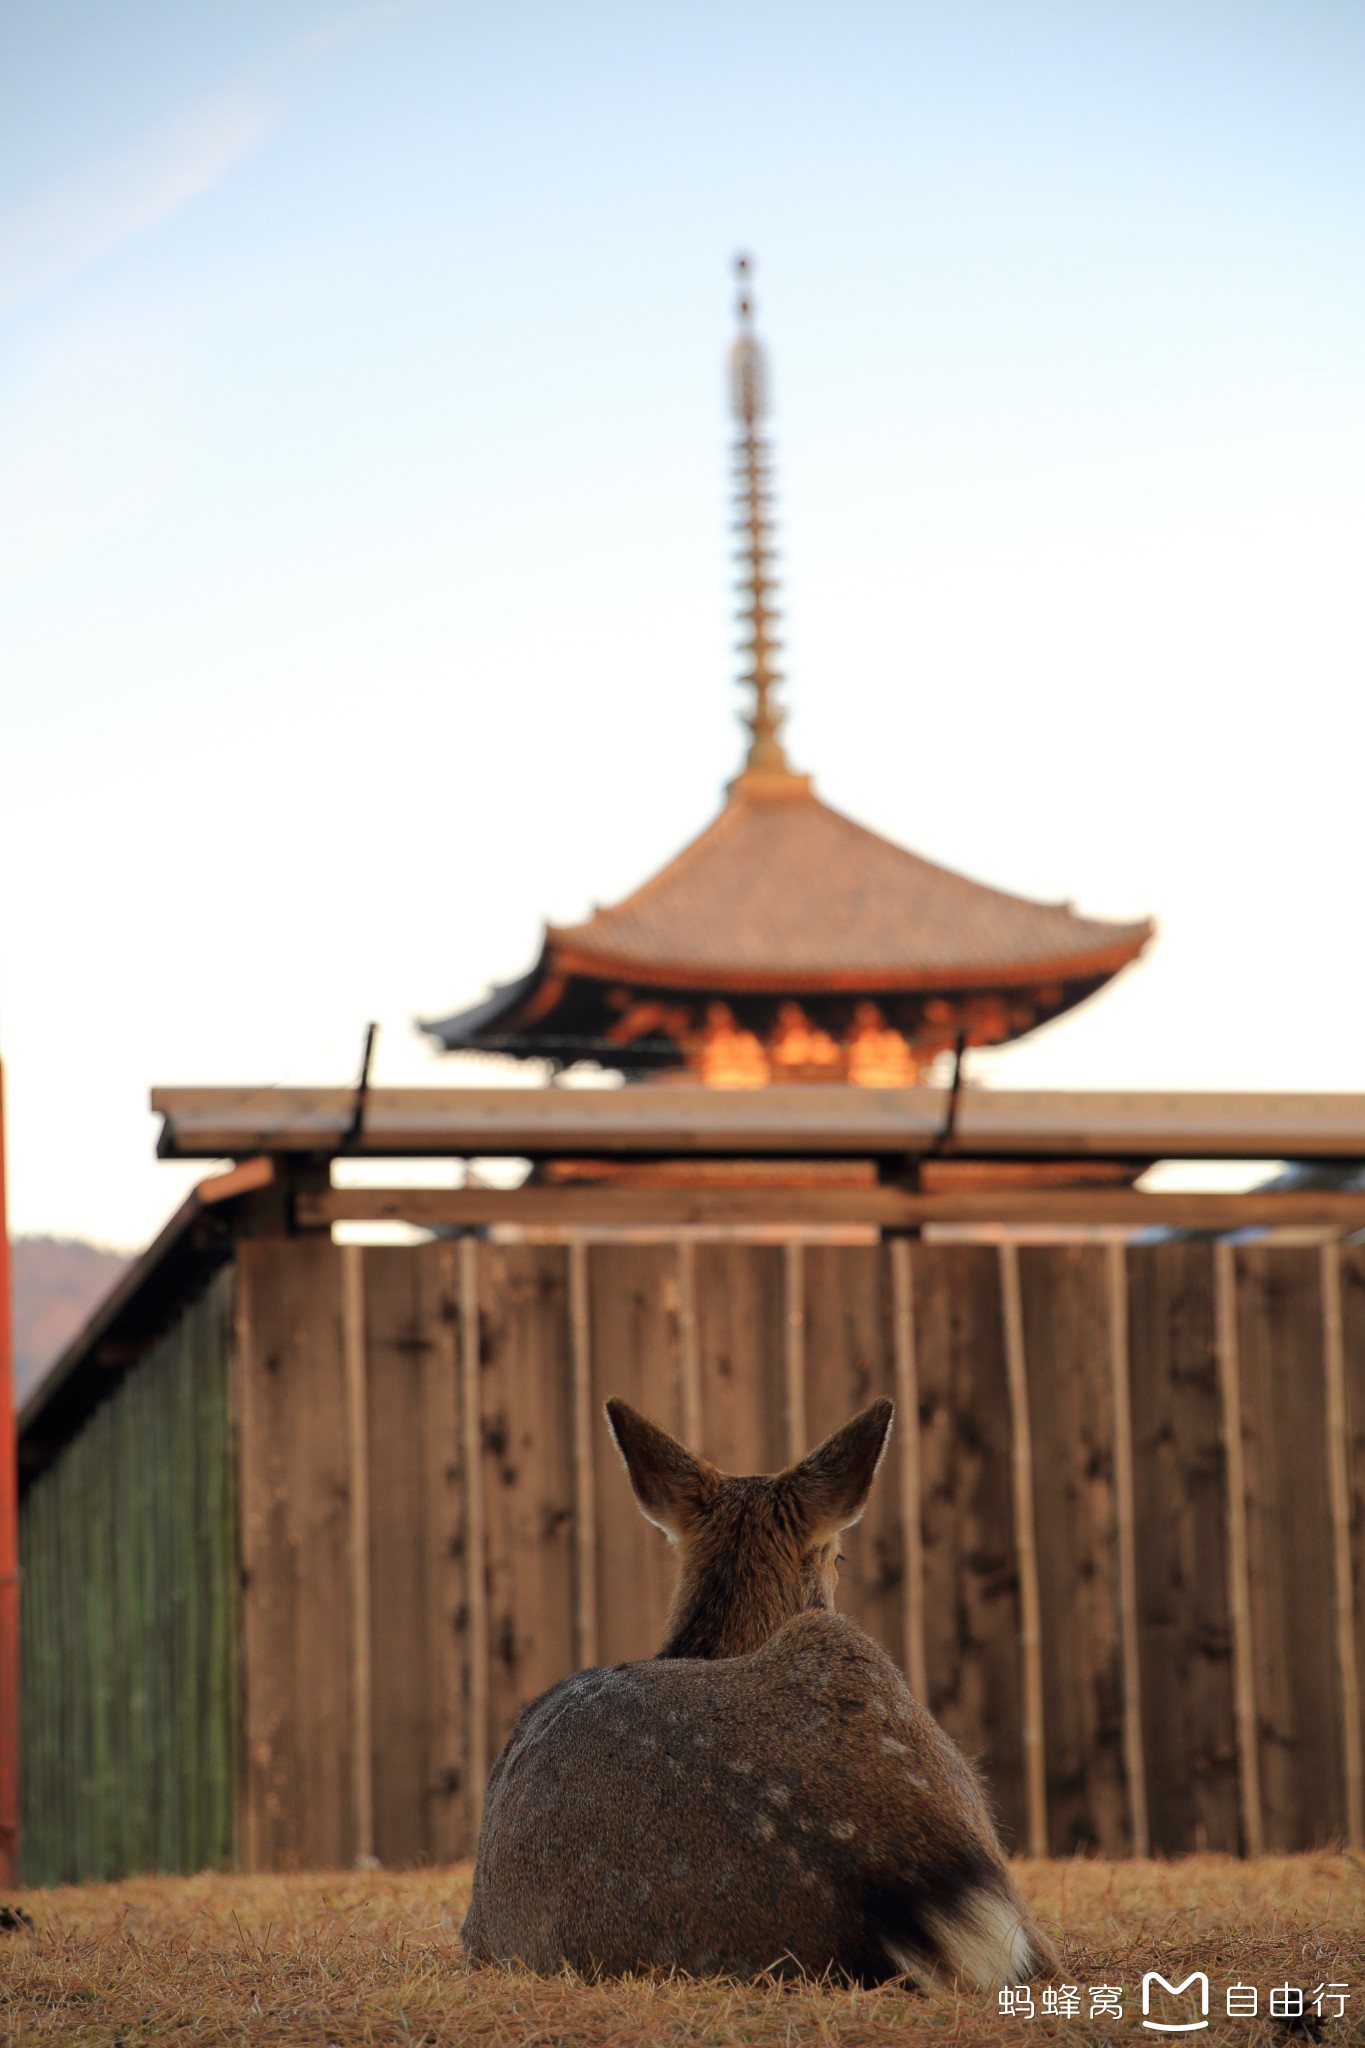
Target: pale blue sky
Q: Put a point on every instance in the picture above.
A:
(363, 485)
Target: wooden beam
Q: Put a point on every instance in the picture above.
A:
(810, 1121)
(243, 1179)
(1122, 1208)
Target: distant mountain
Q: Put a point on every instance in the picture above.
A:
(57, 1282)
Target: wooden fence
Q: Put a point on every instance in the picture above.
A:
(1119, 1546)
(128, 1658)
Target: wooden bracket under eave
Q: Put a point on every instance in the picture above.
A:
(243, 1179)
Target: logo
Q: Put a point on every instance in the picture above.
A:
(1175, 2026)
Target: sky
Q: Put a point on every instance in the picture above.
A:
(364, 573)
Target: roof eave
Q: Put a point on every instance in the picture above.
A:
(499, 1009)
(1100, 962)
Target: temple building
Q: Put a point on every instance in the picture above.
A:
(788, 943)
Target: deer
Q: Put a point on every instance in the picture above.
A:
(765, 1794)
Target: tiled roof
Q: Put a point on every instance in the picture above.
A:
(781, 890)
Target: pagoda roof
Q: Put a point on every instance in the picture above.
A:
(784, 897)
(781, 892)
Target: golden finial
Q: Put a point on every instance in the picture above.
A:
(749, 395)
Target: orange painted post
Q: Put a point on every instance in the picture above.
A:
(9, 1555)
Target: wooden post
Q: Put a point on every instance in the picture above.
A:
(1339, 1507)
(908, 1469)
(476, 1530)
(1134, 1761)
(794, 1346)
(1030, 1604)
(689, 1338)
(1239, 1583)
(584, 1474)
(358, 1484)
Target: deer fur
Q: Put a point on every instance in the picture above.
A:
(765, 1793)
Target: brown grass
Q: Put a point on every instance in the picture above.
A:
(375, 1957)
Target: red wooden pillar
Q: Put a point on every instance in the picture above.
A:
(9, 1556)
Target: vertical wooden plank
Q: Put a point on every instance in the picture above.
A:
(1289, 1544)
(71, 1700)
(358, 1541)
(248, 1826)
(224, 1670)
(741, 1351)
(97, 1534)
(908, 1458)
(1067, 1334)
(159, 1649)
(199, 1422)
(199, 1795)
(690, 1343)
(72, 1697)
(33, 1614)
(1352, 1270)
(182, 1600)
(1134, 1762)
(249, 1823)
(971, 1566)
(478, 1649)
(416, 1552)
(1180, 1551)
(196, 1769)
(636, 1355)
(37, 1690)
(584, 1462)
(176, 1571)
(1239, 1591)
(1026, 1548)
(98, 1453)
(849, 1362)
(160, 1660)
(1339, 1508)
(82, 1811)
(794, 1347)
(162, 1667)
(293, 1475)
(528, 1477)
(447, 1831)
(142, 1659)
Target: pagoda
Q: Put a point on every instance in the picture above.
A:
(788, 943)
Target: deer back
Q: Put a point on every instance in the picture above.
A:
(766, 1793)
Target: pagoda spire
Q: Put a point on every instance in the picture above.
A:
(749, 396)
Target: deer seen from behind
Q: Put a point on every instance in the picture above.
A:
(766, 1792)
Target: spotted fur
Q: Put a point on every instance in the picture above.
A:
(765, 1793)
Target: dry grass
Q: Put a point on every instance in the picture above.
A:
(352, 1958)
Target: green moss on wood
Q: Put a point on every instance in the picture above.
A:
(129, 1666)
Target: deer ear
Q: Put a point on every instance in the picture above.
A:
(832, 1482)
(668, 1482)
